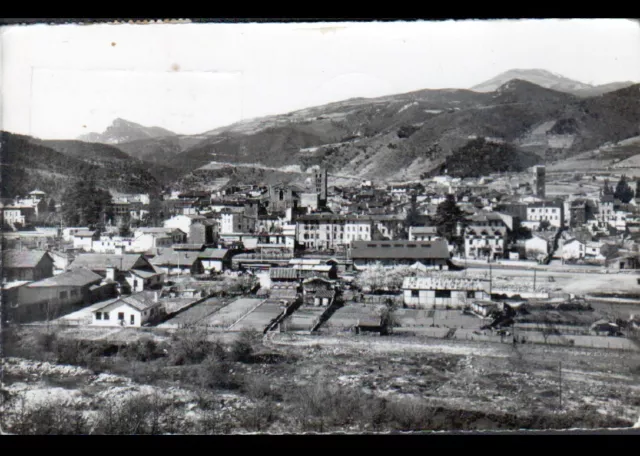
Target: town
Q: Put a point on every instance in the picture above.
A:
(273, 230)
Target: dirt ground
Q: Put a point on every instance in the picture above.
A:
(472, 385)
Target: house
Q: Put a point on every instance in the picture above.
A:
(69, 232)
(318, 291)
(235, 220)
(485, 237)
(28, 265)
(204, 231)
(55, 296)
(535, 247)
(592, 251)
(84, 239)
(573, 249)
(148, 238)
(132, 272)
(173, 262)
(315, 267)
(284, 291)
(551, 212)
(12, 215)
(605, 328)
(215, 260)
(280, 275)
(430, 292)
(432, 254)
(61, 261)
(423, 233)
(131, 311)
(483, 308)
(283, 196)
(183, 222)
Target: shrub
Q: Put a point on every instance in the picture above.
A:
(215, 373)
(257, 418)
(242, 348)
(144, 414)
(48, 418)
(190, 347)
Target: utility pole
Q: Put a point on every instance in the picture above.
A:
(560, 371)
(534, 281)
(490, 281)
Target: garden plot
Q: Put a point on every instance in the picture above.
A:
(352, 314)
(260, 318)
(195, 314)
(412, 318)
(304, 318)
(231, 313)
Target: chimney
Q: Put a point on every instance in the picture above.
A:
(111, 273)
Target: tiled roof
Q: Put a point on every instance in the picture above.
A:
(217, 254)
(100, 261)
(139, 301)
(23, 258)
(283, 273)
(172, 258)
(76, 278)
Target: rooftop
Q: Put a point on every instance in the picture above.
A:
(23, 258)
(101, 261)
(139, 301)
(399, 249)
(76, 278)
(440, 283)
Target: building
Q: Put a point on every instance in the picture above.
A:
(30, 265)
(331, 231)
(183, 222)
(12, 215)
(535, 247)
(573, 249)
(55, 296)
(483, 308)
(132, 272)
(423, 233)
(215, 260)
(310, 200)
(314, 267)
(485, 237)
(577, 213)
(321, 186)
(131, 311)
(317, 291)
(539, 184)
(283, 196)
(69, 232)
(551, 212)
(204, 231)
(173, 262)
(84, 239)
(432, 292)
(431, 254)
(147, 238)
(235, 220)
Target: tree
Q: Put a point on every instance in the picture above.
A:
(412, 217)
(544, 225)
(606, 190)
(85, 205)
(447, 217)
(52, 205)
(623, 192)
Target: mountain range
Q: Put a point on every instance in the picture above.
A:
(392, 138)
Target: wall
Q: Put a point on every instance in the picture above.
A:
(427, 298)
(113, 317)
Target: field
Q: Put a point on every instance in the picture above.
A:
(296, 383)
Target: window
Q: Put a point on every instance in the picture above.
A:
(443, 293)
(133, 319)
(105, 315)
(415, 293)
(471, 294)
(98, 315)
(120, 315)
(63, 294)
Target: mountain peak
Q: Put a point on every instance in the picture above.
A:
(122, 130)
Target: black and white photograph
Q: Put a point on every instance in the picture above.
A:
(297, 227)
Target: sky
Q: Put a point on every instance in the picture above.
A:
(60, 81)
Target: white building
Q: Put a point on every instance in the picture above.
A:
(84, 240)
(432, 292)
(234, 220)
(182, 222)
(328, 231)
(573, 249)
(13, 215)
(423, 233)
(131, 311)
(69, 232)
(537, 212)
(536, 246)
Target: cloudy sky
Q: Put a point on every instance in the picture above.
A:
(62, 81)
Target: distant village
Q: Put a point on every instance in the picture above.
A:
(288, 258)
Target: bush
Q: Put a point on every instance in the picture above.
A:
(48, 418)
(145, 414)
(259, 417)
(258, 387)
(146, 349)
(215, 373)
(190, 347)
(242, 348)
